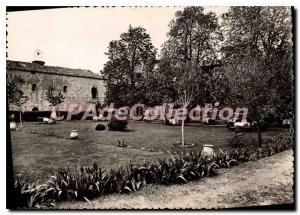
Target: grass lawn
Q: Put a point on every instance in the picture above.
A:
(38, 156)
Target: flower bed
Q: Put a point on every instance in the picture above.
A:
(94, 182)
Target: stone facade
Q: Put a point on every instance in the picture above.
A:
(79, 86)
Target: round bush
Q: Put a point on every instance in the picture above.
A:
(117, 125)
(100, 127)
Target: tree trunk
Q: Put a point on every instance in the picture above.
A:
(20, 113)
(58, 114)
(182, 132)
(259, 135)
(53, 113)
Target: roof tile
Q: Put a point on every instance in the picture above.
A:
(33, 67)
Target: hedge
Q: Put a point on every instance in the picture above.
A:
(32, 116)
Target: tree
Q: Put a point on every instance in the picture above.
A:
(13, 85)
(54, 96)
(131, 59)
(20, 99)
(15, 95)
(186, 81)
(193, 40)
(159, 84)
(258, 59)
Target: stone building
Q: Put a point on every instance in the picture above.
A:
(78, 86)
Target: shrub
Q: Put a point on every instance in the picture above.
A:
(117, 125)
(94, 182)
(100, 127)
(30, 194)
(50, 133)
(122, 144)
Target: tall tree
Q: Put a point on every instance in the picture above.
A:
(131, 59)
(258, 59)
(193, 40)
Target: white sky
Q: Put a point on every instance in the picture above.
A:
(79, 37)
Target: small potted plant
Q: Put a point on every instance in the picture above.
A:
(13, 126)
(12, 123)
(208, 150)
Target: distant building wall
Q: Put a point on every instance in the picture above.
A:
(78, 89)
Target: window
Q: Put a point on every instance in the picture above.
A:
(35, 109)
(65, 89)
(94, 93)
(33, 87)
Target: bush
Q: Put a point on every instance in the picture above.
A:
(100, 127)
(122, 144)
(30, 116)
(117, 125)
(94, 182)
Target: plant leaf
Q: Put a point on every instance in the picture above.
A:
(181, 176)
(86, 199)
(127, 188)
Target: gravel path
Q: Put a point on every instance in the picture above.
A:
(264, 182)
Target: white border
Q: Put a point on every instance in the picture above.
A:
(3, 5)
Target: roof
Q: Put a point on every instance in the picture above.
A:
(34, 67)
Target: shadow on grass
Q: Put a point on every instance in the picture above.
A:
(125, 131)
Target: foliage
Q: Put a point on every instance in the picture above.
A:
(117, 125)
(19, 99)
(131, 59)
(95, 182)
(53, 95)
(100, 127)
(50, 133)
(14, 93)
(28, 194)
(122, 144)
(258, 60)
(193, 40)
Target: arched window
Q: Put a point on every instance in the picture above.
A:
(33, 87)
(35, 109)
(65, 89)
(94, 92)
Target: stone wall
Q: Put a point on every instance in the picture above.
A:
(79, 89)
